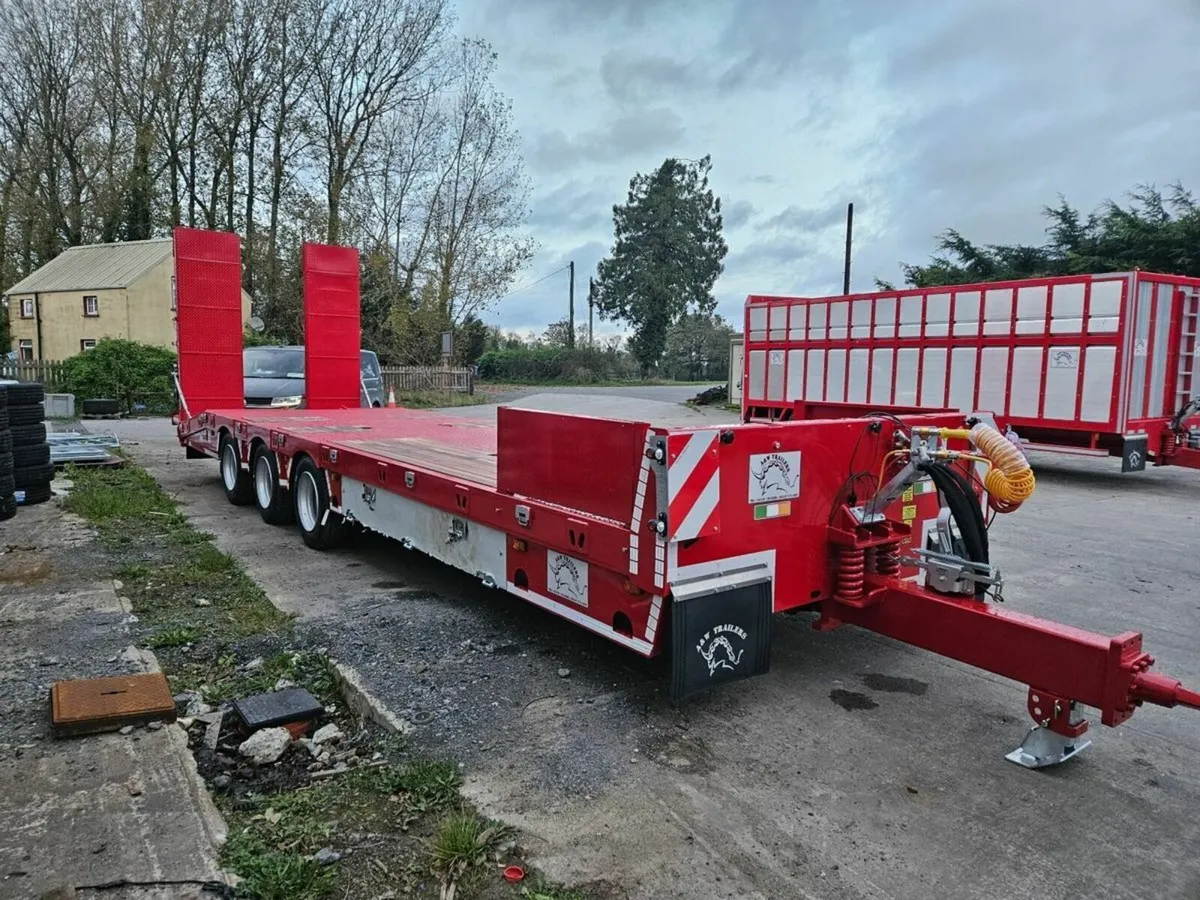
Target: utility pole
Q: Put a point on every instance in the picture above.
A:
(849, 237)
(591, 307)
(571, 307)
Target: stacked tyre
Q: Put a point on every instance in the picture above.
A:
(32, 470)
(8, 502)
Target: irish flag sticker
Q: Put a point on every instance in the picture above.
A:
(772, 510)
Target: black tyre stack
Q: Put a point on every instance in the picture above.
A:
(31, 467)
(8, 502)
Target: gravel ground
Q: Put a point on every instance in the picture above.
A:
(857, 768)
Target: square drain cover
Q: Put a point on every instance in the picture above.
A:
(105, 704)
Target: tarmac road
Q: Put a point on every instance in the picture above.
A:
(857, 768)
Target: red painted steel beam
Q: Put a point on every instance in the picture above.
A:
(1108, 673)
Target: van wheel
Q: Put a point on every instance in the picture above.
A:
(321, 527)
(274, 504)
(239, 487)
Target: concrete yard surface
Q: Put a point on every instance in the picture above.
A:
(98, 809)
(857, 767)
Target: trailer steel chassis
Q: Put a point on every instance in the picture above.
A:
(659, 538)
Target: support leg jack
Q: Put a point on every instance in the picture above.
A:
(1043, 747)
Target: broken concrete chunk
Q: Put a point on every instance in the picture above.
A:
(266, 746)
(128, 729)
(326, 856)
(327, 734)
(255, 665)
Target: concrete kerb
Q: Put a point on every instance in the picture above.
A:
(365, 703)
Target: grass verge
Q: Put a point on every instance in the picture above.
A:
(437, 399)
(390, 823)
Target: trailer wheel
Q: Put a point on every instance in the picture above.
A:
(321, 527)
(274, 504)
(239, 487)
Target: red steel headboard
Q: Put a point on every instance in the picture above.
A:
(332, 330)
(208, 318)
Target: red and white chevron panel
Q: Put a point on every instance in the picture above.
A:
(693, 485)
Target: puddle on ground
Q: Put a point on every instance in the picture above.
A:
(893, 685)
(852, 700)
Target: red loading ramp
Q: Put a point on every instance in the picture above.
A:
(208, 288)
(332, 329)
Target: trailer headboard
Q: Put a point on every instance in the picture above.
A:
(332, 328)
(579, 462)
(208, 318)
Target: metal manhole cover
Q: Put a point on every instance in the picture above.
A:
(103, 704)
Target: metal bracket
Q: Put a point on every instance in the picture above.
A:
(1043, 747)
(457, 530)
(523, 515)
(950, 574)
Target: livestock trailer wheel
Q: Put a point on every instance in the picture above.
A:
(274, 504)
(239, 487)
(321, 528)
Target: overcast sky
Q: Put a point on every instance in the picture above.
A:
(924, 113)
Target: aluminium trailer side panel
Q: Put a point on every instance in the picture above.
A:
(1097, 354)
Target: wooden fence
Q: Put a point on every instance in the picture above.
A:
(48, 371)
(448, 379)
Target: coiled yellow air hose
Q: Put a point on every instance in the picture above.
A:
(1009, 480)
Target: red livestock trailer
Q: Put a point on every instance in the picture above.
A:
(1088, 364)
(656, 537)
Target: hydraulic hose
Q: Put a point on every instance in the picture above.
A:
(1009, 480)
(964, 509)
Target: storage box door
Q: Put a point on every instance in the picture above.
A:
(1154, 346)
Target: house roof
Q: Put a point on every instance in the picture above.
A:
(94, 267)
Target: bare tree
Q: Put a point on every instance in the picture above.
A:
(379, 55)
(479, 211)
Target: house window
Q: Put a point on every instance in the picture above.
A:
(87, 344)
(91, 306)
(27, 308)
(25, 350)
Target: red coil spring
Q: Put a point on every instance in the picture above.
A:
(851, 572)
(887, 561)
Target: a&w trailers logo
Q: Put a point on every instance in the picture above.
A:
(774, 476)
(567, 577)
(716, 646)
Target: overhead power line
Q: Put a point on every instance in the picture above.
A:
(526, 287)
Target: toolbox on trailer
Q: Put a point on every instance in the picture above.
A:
(661, 538)
(1093, 364)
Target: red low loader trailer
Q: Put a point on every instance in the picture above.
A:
(1087, 364)
(662, 539)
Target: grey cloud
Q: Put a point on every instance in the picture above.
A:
(626, 135)
(770, 252)
(631, 77)
(585, 14)
(803, 219)
(738, 213)
(578, 206)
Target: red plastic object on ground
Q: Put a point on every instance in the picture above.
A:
(1088, 364)
(656, 536)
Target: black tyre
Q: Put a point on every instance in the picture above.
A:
(274, 501)
(24, 394)
(26, 415)
(6, 463)
(8, 508)
(3, 397)
(5, 441)
(238, 485)
(100, 407)
(39, 494)
(321, 528)
(4, 418)
(26, 477)
(7, 484)
(28, 435)
(31, 455)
